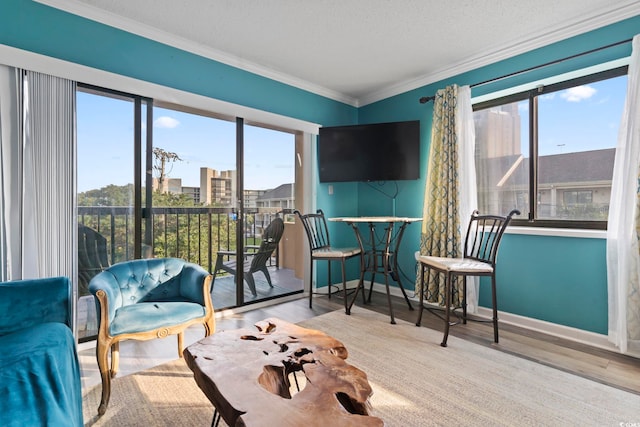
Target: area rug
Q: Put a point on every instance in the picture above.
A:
(415, 382)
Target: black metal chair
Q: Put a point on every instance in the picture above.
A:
(315, 226)
(255, 259)
(478, 259)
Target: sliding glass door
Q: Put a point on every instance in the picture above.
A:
(195, 212)
(161, 180)
(269, 192)
(110, 131)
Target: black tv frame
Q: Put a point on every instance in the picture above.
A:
(370, 152)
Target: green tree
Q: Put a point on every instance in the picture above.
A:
(111, 195)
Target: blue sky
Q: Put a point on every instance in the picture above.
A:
(105, 146)
(582, 118)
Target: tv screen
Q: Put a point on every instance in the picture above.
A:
(373, 152)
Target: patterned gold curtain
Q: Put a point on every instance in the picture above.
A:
(441, 235)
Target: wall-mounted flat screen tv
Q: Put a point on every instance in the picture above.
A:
(373, 152)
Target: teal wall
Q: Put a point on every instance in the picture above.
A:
(556, 279)
(31, 26)
(561, 280)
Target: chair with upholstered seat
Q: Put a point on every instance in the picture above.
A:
(145, 299)
(315, 226)
(480, 251)
(256, 258)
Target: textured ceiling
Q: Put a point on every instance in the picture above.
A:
(356, 51)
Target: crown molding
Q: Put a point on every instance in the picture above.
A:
(125, 24)
(502, 52)
(69, 70)
(494, 54)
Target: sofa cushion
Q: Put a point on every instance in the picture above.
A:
(47, 301)
(39, 380)
(147, 316)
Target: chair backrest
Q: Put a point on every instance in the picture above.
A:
(142, 280)
(484, 234)
(315, 225)
(92, 256)
(270, 240)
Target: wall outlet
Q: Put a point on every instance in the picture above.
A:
(330, 189)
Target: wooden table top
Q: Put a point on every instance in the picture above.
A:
(246, 375)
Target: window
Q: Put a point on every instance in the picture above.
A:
(549, 152)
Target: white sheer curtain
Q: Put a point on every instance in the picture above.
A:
(467, 175)
(11, 173)
(623, 229)
(38, 236)
(49, 233)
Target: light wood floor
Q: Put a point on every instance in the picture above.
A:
(596, 364)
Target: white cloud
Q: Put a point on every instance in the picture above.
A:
(578, 93)
(166, 122)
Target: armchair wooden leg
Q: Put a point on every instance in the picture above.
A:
(209, 327)
(102, 349)
(180, 343)
(115, 358)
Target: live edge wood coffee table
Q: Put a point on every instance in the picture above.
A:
(245, 374)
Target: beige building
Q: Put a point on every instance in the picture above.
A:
(570, 185)
(217, 188)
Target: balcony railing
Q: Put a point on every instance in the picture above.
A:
(192, 233)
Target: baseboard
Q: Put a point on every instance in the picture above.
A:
(566, 332)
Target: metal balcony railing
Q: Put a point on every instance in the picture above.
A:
(191, 233)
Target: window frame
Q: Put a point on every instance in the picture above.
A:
(532, 96)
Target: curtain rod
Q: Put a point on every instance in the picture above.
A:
(426, 99)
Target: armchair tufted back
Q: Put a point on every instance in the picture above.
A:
(155, 279)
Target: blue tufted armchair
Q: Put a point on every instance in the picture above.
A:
(145, 299)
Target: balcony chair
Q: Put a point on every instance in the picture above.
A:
(92, 256)
(145, 299)
(256, 258)
(478, 259)
(315, 226)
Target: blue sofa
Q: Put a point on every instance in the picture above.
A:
(39, 369)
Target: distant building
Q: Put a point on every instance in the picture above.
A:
(251, 198)
(193, 192)
(218, 188)
(280, 197)
(168, 185)
(569, 185)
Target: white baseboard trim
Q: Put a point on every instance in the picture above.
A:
(566, 332)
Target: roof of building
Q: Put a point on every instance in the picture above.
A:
(283, 191)
(575, 167)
